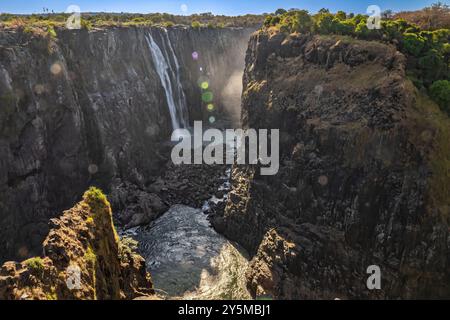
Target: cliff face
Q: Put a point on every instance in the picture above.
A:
(83, 258)
(89, 108)
(364, 174)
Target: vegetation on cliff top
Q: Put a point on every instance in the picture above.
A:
(90, 20)
(428, 51)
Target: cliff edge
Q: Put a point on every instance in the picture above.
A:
(83, 258)
(364, 173)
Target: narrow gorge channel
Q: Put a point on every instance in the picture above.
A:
(128, 90)
(187, 258)
(88, 180)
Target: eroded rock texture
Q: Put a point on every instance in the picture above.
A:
(364, 175)
(82, 239)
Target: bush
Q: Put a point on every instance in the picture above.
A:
(169, 24)
(127, 247)
(35, 264)
(325, 23)
(440, 92)
(280, 12)
(196, 24)
(432, 66)
(95, 198)
(51, 32)
(302, 22)
(413, 43)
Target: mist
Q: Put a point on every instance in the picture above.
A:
(231, 96)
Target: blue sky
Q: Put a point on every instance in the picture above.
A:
(227, 7)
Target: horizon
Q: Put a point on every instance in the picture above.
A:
(186, 8)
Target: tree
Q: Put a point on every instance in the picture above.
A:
(341, 15)
(413, 43)
(325, 23)
(387, 14)
(280, 12)
(440, 92)
(432, 66)
(303, 22)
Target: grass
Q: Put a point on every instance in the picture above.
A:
(96, 199)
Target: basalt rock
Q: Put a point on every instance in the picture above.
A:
(82, 258)
(363, 180)
(88, 108)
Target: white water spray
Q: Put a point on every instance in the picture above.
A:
(170, 79)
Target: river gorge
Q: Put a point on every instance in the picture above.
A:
(360, 161)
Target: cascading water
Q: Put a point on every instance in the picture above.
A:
(170, 79)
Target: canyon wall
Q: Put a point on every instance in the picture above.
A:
(364, 174)
(88, 108)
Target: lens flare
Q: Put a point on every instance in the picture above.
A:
(207, 97)
(210, 107)
(204, 85)
(195, 55)
(56, 68)
(212, 119)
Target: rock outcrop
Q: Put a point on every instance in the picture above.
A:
(364, 173)
(88, 108)
(82, 258)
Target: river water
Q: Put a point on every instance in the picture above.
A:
(188, 259)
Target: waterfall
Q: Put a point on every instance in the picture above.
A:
(170, 79)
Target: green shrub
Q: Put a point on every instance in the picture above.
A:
(302, 22)
(86, 24)
(51, 32)
(95, 198)
(168, 24)
(325, 23)
(432, 66)
(196, 24)
(35, 264)
(440, 92)
(413, 43)
(280, 12)
(127, 247)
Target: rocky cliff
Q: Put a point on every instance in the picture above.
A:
(82, 258)
(88, 108)
(364, 175)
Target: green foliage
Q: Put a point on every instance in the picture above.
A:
(96, 199)
(196, 24)
(413, 43)
(35, 264)
(325, 23)
(428, 51)
(86, 24)
(91, 20)
(90, 256)
(127, 247)
(280, 12)
(432, 66)
(302, 22)
(341, 15)
(168, 24)
(440, 92)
